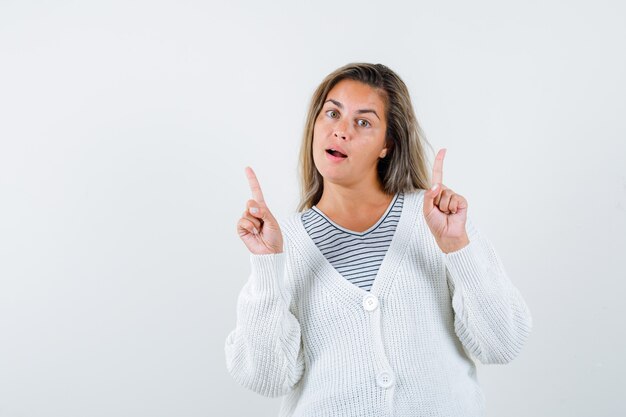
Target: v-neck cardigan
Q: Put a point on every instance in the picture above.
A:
(405, 348)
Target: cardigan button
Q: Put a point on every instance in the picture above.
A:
(370, 302)
(385, 379)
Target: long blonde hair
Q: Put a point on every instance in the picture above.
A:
(404, 168)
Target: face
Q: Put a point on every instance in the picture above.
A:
(352, 122)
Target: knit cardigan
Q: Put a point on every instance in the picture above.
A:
(406, 348)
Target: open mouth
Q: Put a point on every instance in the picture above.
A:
(336, 153)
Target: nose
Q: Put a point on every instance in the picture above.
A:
(341, 129)
(340, 134)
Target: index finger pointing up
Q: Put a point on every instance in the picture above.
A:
(257, 194)
(438, 167)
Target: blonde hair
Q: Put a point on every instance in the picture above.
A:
(404, 168)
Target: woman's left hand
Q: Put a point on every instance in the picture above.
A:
(445, 211)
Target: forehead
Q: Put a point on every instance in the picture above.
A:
(353, 93)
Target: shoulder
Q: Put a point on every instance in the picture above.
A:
(290, 221)
(292, 228)
(414, 198)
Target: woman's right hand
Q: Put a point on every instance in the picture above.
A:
(259, 230)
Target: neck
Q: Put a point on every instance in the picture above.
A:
(338, 198)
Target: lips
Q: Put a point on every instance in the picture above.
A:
(337, 151)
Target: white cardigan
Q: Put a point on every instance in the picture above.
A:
(402, 349)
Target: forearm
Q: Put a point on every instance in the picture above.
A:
(263, 352)
(491, 317)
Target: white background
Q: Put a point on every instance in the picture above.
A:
(125, 128)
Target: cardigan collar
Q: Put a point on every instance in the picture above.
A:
(332, 279)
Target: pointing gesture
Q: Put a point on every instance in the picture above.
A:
(257, 228)
(445, 211)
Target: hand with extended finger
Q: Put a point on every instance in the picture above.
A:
(445, 211)
(257, 228)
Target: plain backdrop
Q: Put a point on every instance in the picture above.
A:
(125, 127)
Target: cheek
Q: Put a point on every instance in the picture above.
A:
(315, 145)
(317, 128)
(318, 132)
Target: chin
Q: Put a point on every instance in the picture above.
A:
(333, 178)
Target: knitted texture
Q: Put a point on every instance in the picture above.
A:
(406, 348)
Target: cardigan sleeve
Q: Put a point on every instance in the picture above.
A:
(491, 318)
(264, 352)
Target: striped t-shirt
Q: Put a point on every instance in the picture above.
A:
(357, 256)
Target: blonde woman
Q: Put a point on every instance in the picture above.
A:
(376, 297)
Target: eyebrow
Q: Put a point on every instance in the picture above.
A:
(338, 104)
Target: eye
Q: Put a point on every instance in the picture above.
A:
(332, 114)
(363, 123)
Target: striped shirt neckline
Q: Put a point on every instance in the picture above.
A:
(356, 256)
(369, 230)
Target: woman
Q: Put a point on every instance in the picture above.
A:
(381, 292)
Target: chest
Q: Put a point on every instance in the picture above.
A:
(411, 293)
(359, 224)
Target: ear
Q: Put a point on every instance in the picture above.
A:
(383, 153)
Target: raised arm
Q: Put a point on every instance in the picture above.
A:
(264, 351)
(491, 318)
